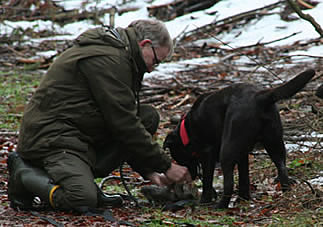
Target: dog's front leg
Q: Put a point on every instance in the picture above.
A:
(227, 168)
(208, 165)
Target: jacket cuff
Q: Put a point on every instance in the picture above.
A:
(159, 165)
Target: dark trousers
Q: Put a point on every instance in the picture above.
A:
(75, 176)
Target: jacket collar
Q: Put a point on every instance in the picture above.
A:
(140, 65)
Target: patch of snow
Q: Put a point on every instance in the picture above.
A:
(318, 180)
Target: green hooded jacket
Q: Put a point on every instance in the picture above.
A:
(88, 97)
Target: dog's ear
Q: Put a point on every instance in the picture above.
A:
(171, 140)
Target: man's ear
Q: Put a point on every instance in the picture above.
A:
(142, 43)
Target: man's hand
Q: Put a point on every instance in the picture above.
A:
(178, 174)
(159, 179)
(175, 174)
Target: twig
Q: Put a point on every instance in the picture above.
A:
(259, 64)
(178, 36)
(300, 139)
(9, 133)
(301, 55)
(266, 43)
(181, 102)
(14, 51)
(305, 4)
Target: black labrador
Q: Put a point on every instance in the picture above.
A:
(224, 127)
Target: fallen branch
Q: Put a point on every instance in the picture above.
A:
(152, 99)
(187, 97)
(30, 61)
(178, 8)
(307, 17)
(300, 139)
(265, 43)
(206, 29)
(59, 16)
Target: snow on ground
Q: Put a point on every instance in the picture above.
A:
(267, 29)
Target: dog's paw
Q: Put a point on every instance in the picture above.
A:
(219, 206)
(208, 197)
(224, 202)
(292, 181)
(243, 197)
(204, 201)
(287, 186)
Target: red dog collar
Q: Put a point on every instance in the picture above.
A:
(183, 133)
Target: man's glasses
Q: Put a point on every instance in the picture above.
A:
(157, 61)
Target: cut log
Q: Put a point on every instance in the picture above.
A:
(169, 11)
(211, 28)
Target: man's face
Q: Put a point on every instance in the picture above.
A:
(152, 55)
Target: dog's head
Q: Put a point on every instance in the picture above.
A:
(181, 153)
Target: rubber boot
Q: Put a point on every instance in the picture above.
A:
(105, 200)
(18, 196)
(26, 182)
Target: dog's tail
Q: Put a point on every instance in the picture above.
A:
(287, 89)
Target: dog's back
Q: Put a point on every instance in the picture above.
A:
(249, 91)
(251, 114)
(244, 101)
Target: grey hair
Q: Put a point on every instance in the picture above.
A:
(154, 30)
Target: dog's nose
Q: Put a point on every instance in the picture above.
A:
(175, 119)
